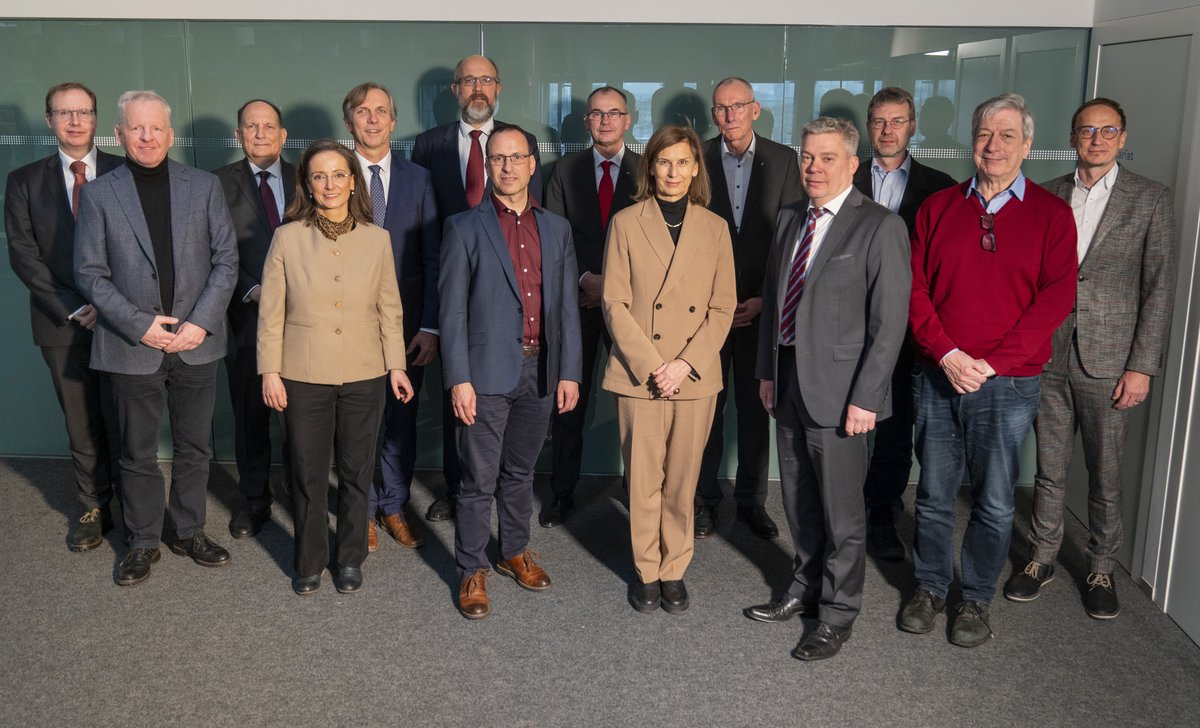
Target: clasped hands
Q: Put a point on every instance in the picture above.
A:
(966, 374)
(664, 381)
(187, 338)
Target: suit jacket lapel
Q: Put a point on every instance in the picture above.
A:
(288, 175)
(585, 182)
(834, 235)
(131, 205)
(451, 169)
(683, 252)
(491, 229)
(181, 196)
(716, 179)
(249, 187)
(54, 191)
(654, 227)
(792, 226)
(395, 195)
(1119, 205)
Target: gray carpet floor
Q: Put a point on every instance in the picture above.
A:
(234, 646)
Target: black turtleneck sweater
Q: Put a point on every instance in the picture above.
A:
(154, 191)
(673, 213)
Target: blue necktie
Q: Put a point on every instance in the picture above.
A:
(378, 203)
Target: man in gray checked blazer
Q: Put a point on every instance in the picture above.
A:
(156, 254)
(1104, 353)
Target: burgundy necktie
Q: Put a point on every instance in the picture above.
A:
(799, 272)
(79, 169)
(270, 206)
(475, 170)
(605, 192)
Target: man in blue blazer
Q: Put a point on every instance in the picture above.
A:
(511, 354)
(402, 202)
(453, 154)
(156, 254)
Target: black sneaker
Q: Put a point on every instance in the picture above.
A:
(971, 627)
(201, 549)
(919, 612)
(1100, 601)
(1025, 586)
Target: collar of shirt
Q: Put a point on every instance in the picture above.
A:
(89, 159)
(465, 129)
(275, 170)
(1108, 180)
(385, 166)
(1016, 189)
(501, 208)
(833, 206)
(881, 173)
(748, 156)
(597, 157)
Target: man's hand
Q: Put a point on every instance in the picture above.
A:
(462, 400)
(425, 345)
(567, 395)
(859, 421)
(669, 376)
(87, 317)
(156, 337)
(274, 394)
(590, 286)
(766, 393)
(965, 373)
(1131, 390)
(747, 311)
(401, 387)
(187, 338)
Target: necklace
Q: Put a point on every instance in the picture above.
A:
(675, 225)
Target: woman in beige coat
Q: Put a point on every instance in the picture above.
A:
(329, 335)
(668, 298)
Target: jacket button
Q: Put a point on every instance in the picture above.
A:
(689, 340)
(1082, 278)
(154, 276)
(657, 337)
(520, 340)
(337, 252)
(338, 332)
(157, 309)
(337, 279)
(337, 304)
(657, 306)
(691, 309)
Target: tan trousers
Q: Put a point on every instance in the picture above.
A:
(662, 442)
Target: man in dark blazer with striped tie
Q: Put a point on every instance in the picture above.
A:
(40, 204)
(588, 188)
(258, 188)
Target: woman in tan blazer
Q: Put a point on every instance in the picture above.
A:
(668, 299)
(329, 333)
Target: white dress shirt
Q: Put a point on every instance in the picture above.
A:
(385, 173)
(598, 159)
(464, 146)
(274, 181)
(68, 176)
(1089, 204)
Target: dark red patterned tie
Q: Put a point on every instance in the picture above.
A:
(799, 272)
(475, 170)
(605, 192)
(79, 169)
(270, 206)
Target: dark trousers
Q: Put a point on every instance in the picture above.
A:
(342, 420)
(189, 391)
(90, 417)
(567, 428)
(891, 460)
(398, 456)
(251, 428)
(753, 427)
(821, 471)
(451, 466)
(498, 453)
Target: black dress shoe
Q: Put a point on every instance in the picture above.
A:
(306, 585)
(674, 596)
(89, 531)
(706, 520)
(822, 643)
(135, 567)
(442, 509)
(348, 580)
(781, 610)
(201, 550)
(645, 597)
(249, 521)
(758, 520)
(885, 543)
(556, 511)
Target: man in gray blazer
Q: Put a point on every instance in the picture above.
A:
(1104, 353)
(156, 254)
(835, 300)
(511, 353)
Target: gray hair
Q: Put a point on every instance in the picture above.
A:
(1010, 101)
(831, 125)
(129, 97)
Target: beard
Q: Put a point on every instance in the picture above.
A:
(477, 109)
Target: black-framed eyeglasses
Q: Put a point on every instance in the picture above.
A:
(1108, 132)
(611, 114)
(736, 107)
(896, 123)
(988, 240)
(497, 160)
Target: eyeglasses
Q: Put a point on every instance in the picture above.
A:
(498, 160)
(64, 114)
(611, 114)
(737, 107)
(1108, 132)
(878, 124)
(473, 81)
(339, 178)
(988, 240)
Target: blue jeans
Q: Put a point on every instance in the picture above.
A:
(980, 433)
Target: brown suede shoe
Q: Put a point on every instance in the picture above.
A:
(397, 528)
(525, 570)
(372, 537)
(472, 596)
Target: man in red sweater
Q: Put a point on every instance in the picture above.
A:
(994, 271)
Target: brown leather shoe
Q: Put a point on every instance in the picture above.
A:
(372, 537)
(525, 570)
(397, 528)
(472, 596)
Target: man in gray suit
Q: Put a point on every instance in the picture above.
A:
(1104, 353)
(835, 299)
(156, 254)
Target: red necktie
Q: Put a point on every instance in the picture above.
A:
(605, 192)
(796, 278)
(475, 170)
(270, 206)
(79, 169)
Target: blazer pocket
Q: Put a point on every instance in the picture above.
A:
(301, 324)
(839, 260)
(372, 322)
(847, 352)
